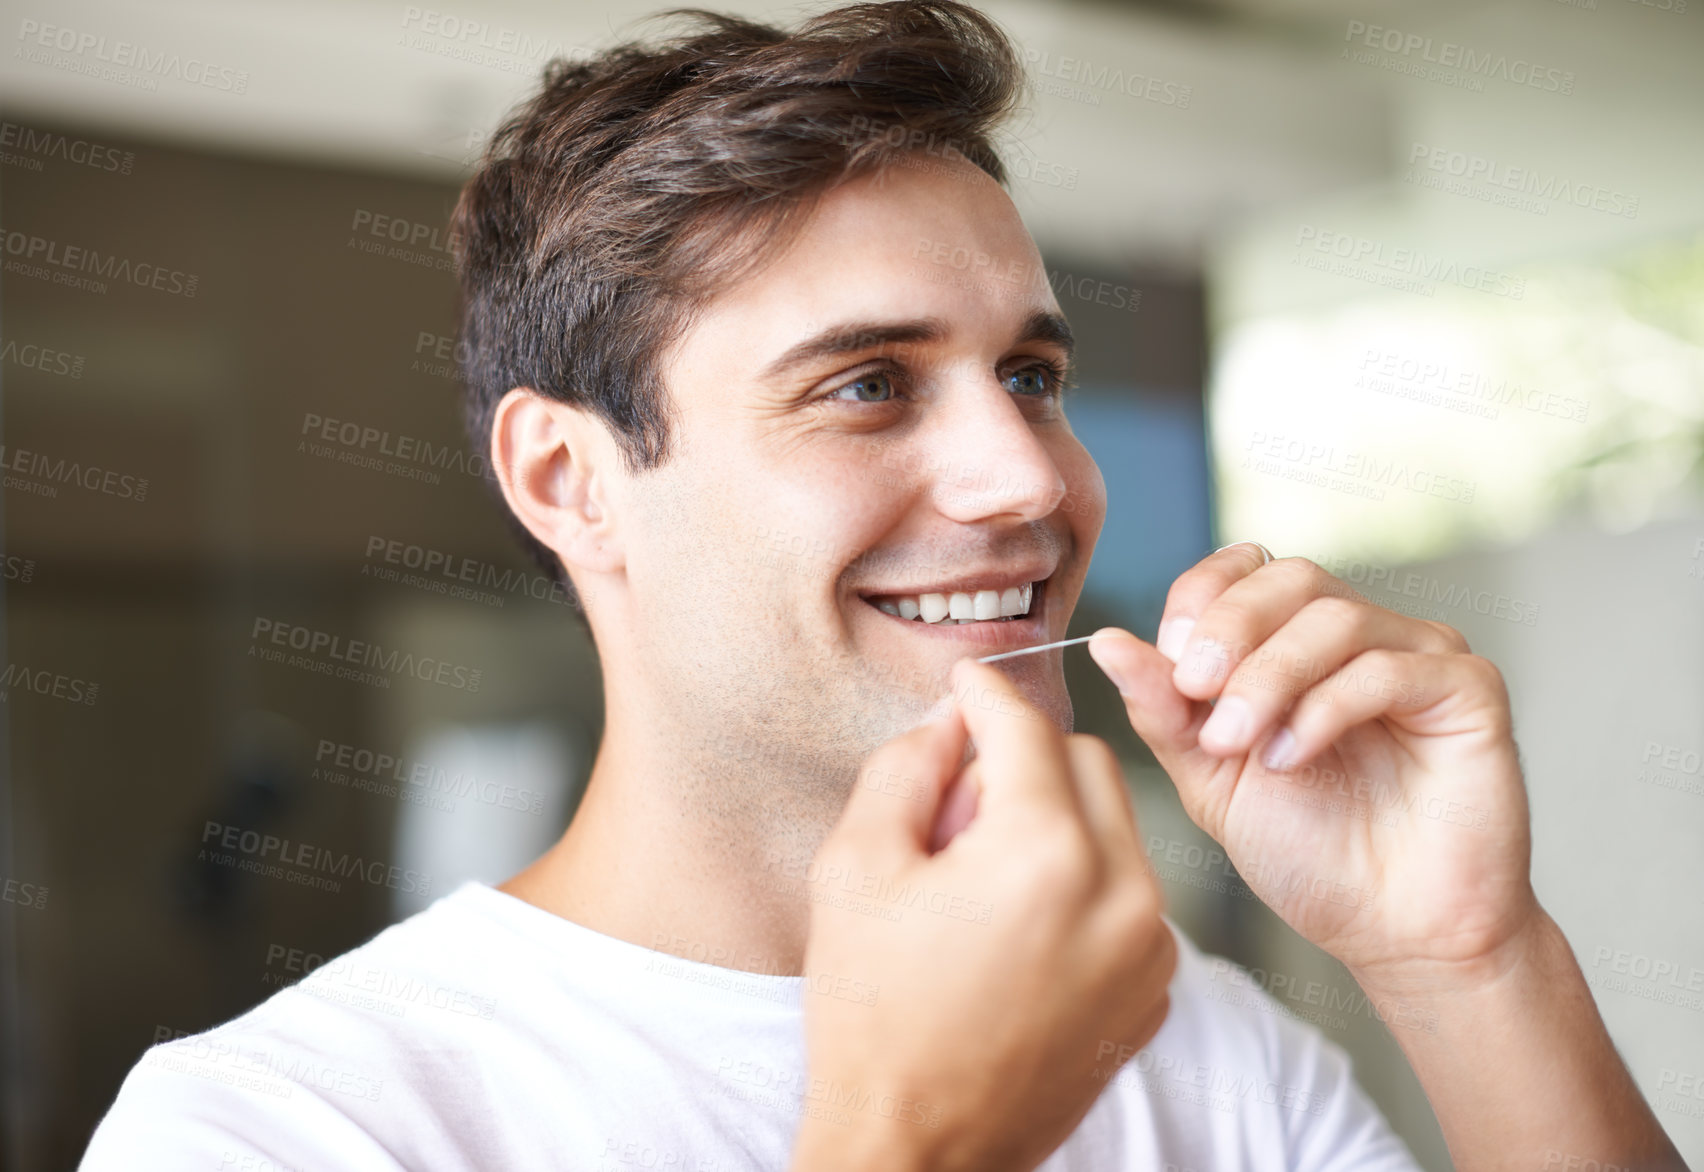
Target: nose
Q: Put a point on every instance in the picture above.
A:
(989, 460)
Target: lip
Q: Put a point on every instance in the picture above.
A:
(1021, 631)
(994, 578)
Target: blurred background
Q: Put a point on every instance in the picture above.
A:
(1412, 289)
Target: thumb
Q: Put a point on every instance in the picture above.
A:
(1165, 719)
(897, 795)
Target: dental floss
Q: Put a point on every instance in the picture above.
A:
(1033, 650)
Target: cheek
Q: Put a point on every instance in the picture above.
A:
(843, 507)
(674, 532)
(1085, 493)
(796, 529)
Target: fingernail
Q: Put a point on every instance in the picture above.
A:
(1119, 679)
(1280, 750)
(1173, 636)
(1229, 722)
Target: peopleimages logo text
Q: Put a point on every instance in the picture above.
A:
(1494, 173)
(282, 852)
(129, 55)
(1450, 55)
(1413, 262)
(357, 439)
(39, 250)
(88, 476)
(1081, 72)
(49, 144)
(361, 653)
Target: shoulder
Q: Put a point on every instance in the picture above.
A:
(317, 1074)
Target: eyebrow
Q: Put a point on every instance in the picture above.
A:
(852, 337)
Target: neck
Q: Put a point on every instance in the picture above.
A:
(700, 853)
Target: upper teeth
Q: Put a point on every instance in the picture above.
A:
(963, 606)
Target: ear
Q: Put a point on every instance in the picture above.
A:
(556, 464)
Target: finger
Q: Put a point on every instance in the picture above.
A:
(1106, 801)
(897, 795)
(1244, 615)
(1167, 721)
(1100, 787)
(1430, 695)
(1022, 766)
(1318, 640)
(958, 810)
(1197, 587)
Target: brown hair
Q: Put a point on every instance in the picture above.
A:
(636, 184)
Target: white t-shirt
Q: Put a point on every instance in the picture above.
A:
(486, 1033)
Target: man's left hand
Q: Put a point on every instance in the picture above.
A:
(1356, 764)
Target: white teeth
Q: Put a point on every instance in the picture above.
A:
(962, 606)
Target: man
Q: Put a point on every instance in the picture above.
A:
(796, 480)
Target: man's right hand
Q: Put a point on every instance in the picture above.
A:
(1001, 971)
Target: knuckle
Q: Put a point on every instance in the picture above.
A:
(1380, 663)
(1063, 864)
(1312, 578)
(1377, 658)
(1139, 900)
(1334, 587)
(1316, 579)
(1453, 639)
(1299, 568)
(1227, 623)
(1142, 928)
(1337, 611)
(1194, 590)
(1489, 675)
(1130, 946)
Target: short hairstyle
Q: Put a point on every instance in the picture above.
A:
(639, 182)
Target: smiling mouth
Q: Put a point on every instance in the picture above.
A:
(988, 605)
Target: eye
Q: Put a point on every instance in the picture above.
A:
(875, 387)
(1037, 380)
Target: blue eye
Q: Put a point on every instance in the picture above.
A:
(875, 387)
(1044, 378)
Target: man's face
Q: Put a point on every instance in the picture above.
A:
(923, 450)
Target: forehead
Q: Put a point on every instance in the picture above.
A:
(927, 237)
